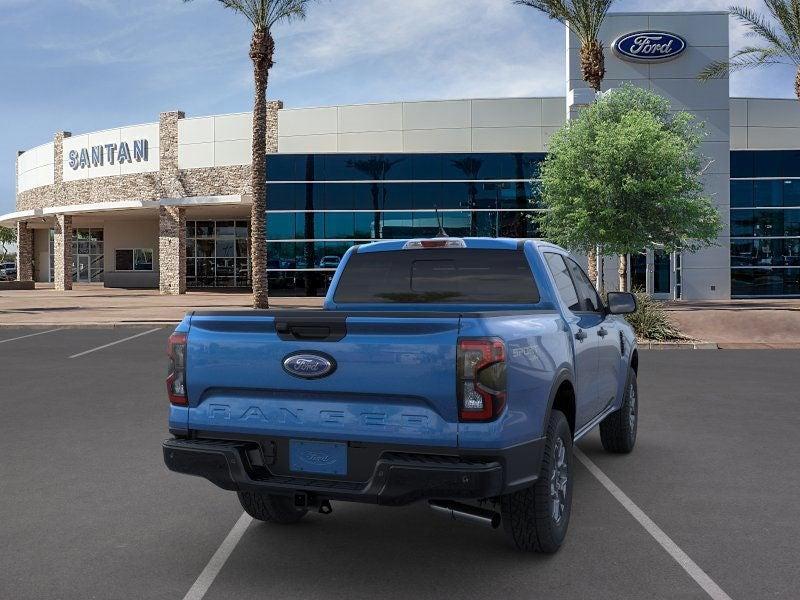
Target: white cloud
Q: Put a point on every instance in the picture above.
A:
(420, 48)
(450, 48)
(358, 50)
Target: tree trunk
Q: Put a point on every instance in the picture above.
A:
(473, 216)
(593, 70)
(797, 84)
(376, 212)
(593, 67)
(623, 273)
(601, 272)
(592, 266)
(262, 48)
(309, 253)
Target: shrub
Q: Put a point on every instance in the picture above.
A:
(651, 321)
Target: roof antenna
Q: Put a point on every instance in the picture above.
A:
(442, 233)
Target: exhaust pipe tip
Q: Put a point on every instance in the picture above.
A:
(465, 513)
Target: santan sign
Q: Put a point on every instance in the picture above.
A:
(97, 156)
(649, 46)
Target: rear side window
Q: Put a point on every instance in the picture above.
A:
(564, 284)
(588, 295)
(573, 285)
(438, 275)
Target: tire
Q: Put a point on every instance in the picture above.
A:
(531, 517)
(270, 508)
(618, 430)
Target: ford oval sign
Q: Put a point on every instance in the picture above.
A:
(649, 46)
(309, 365)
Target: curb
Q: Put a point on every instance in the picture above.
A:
(646, 345)
(759, 346)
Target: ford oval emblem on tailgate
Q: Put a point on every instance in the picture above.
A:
(309, 365)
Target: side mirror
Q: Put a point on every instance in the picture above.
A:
(621, 303)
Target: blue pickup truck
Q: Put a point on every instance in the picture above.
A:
(454, 371)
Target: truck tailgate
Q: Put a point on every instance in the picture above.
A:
(393, 382)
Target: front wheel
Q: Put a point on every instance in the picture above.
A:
(537, 518)
(270, 507)
(618, 430)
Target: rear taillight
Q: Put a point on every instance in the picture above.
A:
(176, 380)
(481, 378)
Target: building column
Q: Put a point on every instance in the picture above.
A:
(171, 250)
(169, 174)
(650, 270)
(171, 219)
(24, 252)
(273, 106)
(62, 253)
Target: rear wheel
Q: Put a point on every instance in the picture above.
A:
(618, 430)
(537, 518)
(270, 507)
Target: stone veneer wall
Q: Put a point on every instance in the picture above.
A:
(62, 250)
(217, 181)
(24, 252)
(272, 125)
(172, 250)
(169, 182)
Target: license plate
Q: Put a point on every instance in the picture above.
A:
(327, 458)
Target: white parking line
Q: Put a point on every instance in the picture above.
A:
(214, 566)
(114, 343)
(22, 337)
(686, 563)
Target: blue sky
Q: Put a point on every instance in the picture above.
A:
(84, 65)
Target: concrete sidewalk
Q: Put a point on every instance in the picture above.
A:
(93, 305)
(740, 323)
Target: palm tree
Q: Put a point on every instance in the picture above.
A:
(263, 15)
(376, 168)
(471, 167)
(780, 41)
(584, 19)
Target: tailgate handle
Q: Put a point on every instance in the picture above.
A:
(321, 331)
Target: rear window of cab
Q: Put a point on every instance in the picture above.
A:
(437, 276)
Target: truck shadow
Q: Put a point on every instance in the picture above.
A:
(365, 551)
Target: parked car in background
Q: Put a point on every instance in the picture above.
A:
(455, 371)
(329, 262)
(8, 271)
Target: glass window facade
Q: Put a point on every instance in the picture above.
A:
(88, 262)
(133, 259)
(765, 223)
(319, 205)
(218, 254)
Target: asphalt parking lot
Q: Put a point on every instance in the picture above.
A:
(87, 509)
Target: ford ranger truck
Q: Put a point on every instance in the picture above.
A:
(459, 372)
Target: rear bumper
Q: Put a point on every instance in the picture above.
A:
(398, 477)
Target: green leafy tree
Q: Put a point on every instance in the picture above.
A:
(7, 237)
(626, 175)
(263, 15)
(584, 19)
(778, 40)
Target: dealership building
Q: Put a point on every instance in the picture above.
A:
(167, 204)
